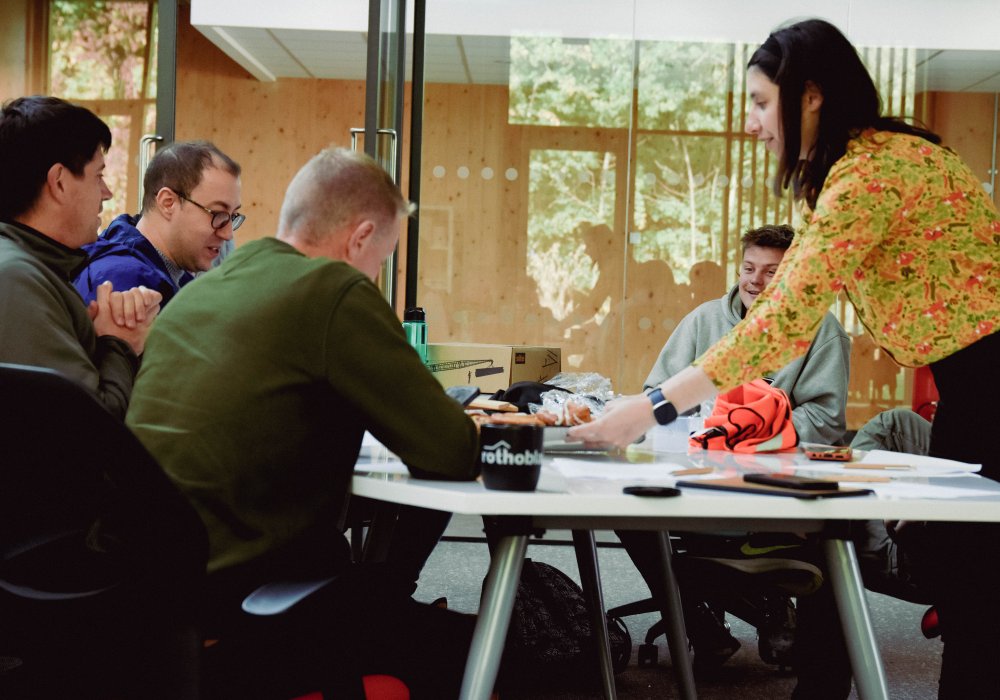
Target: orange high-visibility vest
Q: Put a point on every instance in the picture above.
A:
(754, 417)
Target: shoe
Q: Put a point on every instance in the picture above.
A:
(776, 632)
(781, 560)
(711, 638)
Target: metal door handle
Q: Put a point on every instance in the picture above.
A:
(384, 132)
(144, 157)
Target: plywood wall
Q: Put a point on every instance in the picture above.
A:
(965, 122)
(271, 129)
(12, 49)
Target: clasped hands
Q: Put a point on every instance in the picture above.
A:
(126, 315)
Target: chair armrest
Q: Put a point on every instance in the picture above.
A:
(277, 597)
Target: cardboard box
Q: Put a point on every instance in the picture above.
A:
(491, 367)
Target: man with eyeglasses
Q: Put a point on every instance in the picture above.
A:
(190, 209)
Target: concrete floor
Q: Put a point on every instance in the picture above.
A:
(456, 570)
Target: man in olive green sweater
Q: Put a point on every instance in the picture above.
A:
(258, 383)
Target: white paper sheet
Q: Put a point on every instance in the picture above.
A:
(922, 465)
(615, 471)
(899, 488)
(586, 476)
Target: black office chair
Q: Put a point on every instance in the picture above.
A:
(101, 559)
(761, 596)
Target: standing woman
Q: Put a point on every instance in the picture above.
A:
(904, 228)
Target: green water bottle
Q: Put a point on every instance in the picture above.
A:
(415, 326)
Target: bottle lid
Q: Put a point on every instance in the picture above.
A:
(415, 313)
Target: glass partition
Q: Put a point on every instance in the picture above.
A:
(585, 184)
(585, 178)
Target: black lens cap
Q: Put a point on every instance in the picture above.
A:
(653, 491)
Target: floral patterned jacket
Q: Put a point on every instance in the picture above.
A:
(905, 229)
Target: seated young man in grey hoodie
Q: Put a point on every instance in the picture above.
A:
(816, 383)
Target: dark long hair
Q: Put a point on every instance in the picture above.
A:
(815, 51)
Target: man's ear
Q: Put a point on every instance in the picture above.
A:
(812, 97)
(167, 202)
(55, 181)
(359, 238)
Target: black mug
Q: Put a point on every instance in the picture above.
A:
(510, 456)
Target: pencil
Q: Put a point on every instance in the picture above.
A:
(693, 471)
(859, 465)
(860, 478)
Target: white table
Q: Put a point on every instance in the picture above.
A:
(601, 505)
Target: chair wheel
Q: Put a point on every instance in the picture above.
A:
(647, 655)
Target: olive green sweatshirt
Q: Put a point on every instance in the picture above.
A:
(44, 323)
(257, 384)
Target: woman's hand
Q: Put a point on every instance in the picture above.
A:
(623, 421)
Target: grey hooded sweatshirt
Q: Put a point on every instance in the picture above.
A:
(815, 382)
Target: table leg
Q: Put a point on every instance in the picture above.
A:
(590, 576)
(845, 576)
(494, 618)
(673, 616)
(375, 547)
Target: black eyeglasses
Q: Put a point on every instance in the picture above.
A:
(219, 218)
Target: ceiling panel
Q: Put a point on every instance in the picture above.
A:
(296, 53)
(960, 71)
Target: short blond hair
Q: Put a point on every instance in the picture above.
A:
(335, 188)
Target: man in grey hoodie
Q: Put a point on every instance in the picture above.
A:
(815, 382)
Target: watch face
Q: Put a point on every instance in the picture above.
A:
(663, 411)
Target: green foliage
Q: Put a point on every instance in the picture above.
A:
(566, 188)
(680, 178)
(98, 49)
(684, 86)
(98, 54)
(696, 180)
(556, 83)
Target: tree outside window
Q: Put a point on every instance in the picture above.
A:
(103, 56)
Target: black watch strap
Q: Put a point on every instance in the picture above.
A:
(663, 411)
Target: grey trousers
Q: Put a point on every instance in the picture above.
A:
(883, 567)
(896, 430)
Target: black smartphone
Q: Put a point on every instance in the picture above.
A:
(463, 393)
(654, 491)
(791, 481)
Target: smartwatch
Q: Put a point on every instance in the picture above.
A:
(663, 411)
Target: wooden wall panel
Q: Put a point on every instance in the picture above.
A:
(14, 20)
(489, 296)
(964, 120)
(271, 129)
(474, 227)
